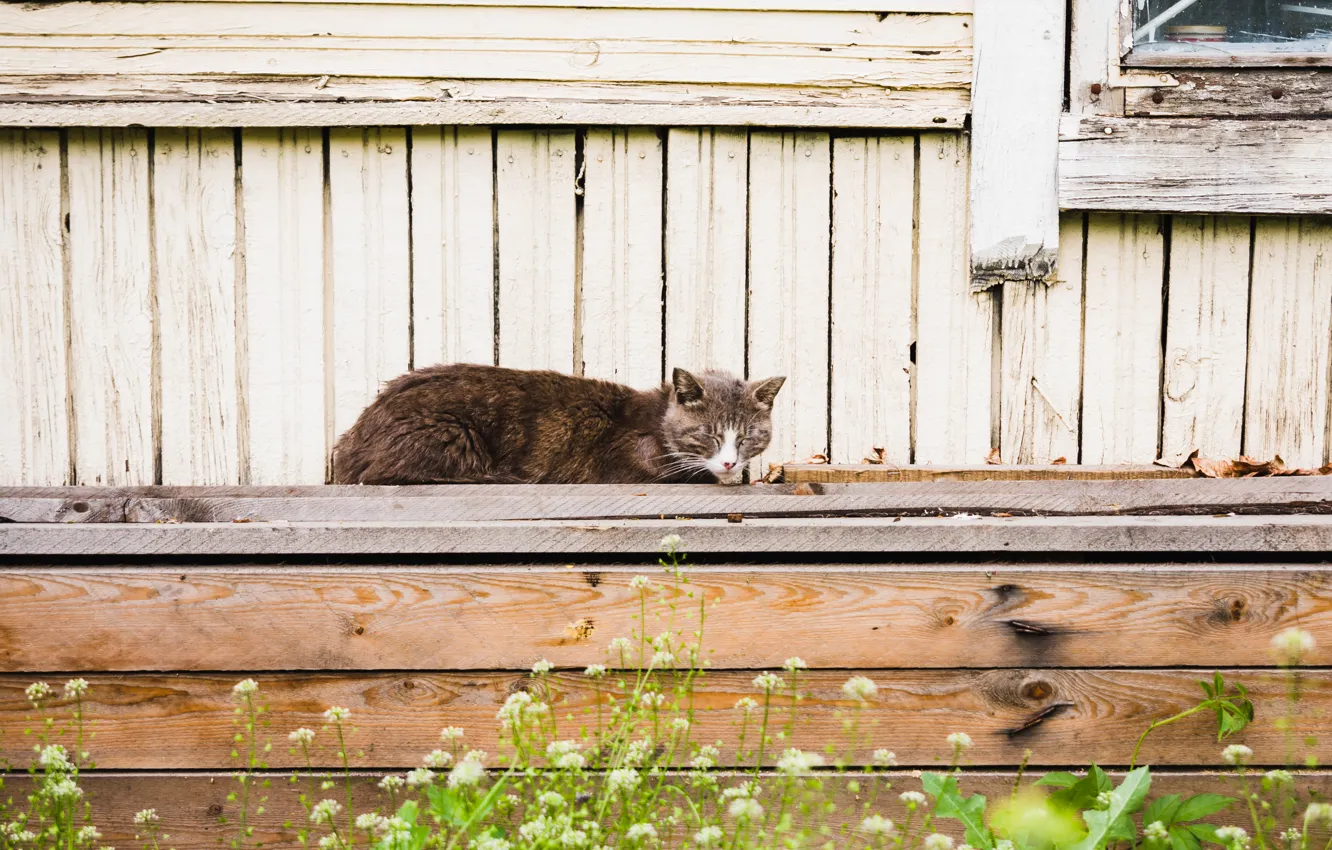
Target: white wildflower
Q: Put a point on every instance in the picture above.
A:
(1319, 813)
(644, 833)
(680, 724)
(1291, 836)
(337, 714)
(511, 713)
(466, 772)
(620, 645)
(877, 825)
(76, 688)
(551, 799)
(302, 736)
(1156, 832)
(959, 741)
(745, 809)
(449, 734)
(938, 841)
(478, 756)
(913, 799)
(794, 762)
(571, 838)
(324, 811)
(702, 763)
(146, 817)
(640, 583)
(54, 758)
(671, 543)
(885, 758)
(490, 842)
(748, 789)
(794, 663)
(392, 783)
(1233, 836)
(245, 688)
(1237, 754)
(330, 842)
(709, 751)
(708, 835)
(371, 822)
(651, 700)
(86, 834)
(438, 759)
(596, 671)
(1291, 645)
(38, 691)
(420, 777)
(1102, 801)
(1279, 777)
(622, 779)
(769, 682)
(746, 704)
(637, 753)
(1004, 844)
(542, 667)
(859, 687)
(663, 659)
(397, 829)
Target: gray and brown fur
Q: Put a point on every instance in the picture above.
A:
(484, 424)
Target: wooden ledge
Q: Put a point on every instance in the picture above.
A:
(847, 473)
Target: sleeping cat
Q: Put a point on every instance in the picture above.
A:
(464, 424)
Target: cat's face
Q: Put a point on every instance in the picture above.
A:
(717, 422)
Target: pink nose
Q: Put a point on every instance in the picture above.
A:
(729, 466)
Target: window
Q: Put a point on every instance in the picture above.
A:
(1232, 32)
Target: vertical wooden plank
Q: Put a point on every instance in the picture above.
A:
(1290, 321)
(706, 192)
(789, 231)
(621, 275)
(536, 248)
(34, 431)
(1121, 392)
(111, 303)
(371, 265)
(874, 186)
(194, 196)
(955, 328)
(1042, 359)
(1017, 96)
(1206, 335)
(453, 245)
(283, 197)
(1092, 51)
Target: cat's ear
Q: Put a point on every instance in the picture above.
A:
(687, 388)
(766, 391)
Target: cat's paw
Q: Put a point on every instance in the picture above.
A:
(733, 478)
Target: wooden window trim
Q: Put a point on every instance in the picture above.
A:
(1130, 58)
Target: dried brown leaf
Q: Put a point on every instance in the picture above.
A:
(1059, 461)
(993, 457)
(877, 455)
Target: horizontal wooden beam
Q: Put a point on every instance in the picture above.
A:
(157, 721)
(191, 804)
(1195, 165)
(253, 619)
(1106, 497)
(1245, 94)
(846, 473)
(897, 536)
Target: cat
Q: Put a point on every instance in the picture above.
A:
(468, 424)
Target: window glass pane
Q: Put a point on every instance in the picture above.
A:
(1235, 27)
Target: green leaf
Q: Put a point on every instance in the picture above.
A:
(1162, 809)
(969, 810)
(1182, 839)
(1203, 832)
(1202, 805)
(1103, 826)
(1084, 792)
(935, 783)
(1058, 779)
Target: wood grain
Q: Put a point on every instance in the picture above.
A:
(537, 265)
(1250, 93)
(621, 299)
(283, 375)
(873, 224)
(112, 306)
(453, 245)
(194, 191)
(1121, 383)
(789, 222)
(190, 804)
(796, 473)
(1041, 359)
(956, 329)
(155, 722)
(1286, 399)
(1262, 167)
(1189, 536)
(1206, 336)
(370, 266)
(253, 619)
(34, 434)
(706, 196)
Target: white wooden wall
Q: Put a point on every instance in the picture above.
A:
(215, 306)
